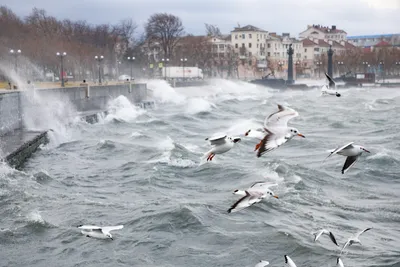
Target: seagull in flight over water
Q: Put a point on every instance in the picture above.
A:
(352, 152)
(277, 130)
(321, 232)
(354, 240)
(220, 143)
(99, 232)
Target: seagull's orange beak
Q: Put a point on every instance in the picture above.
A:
(299, 134)
(276, 196)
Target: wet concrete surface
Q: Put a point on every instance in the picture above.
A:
(18, 145)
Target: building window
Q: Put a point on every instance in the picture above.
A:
(236, 45)
(269, 54)
(243, 46)
(249, 35)
(305, 50)
(257, 35)
(236, 36)
(244, 36)
(269, 45)
(250, 54)
(257, 45)
(316, 49)
(249, 45)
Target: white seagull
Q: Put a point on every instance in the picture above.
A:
(352, 152)
(221, 143)
(339, 262)
(257, 192)
(327, 90)
(354, 240)
(99, 232)
(256, 133)
(325, 232)
(262, 187)
(289, 261)
(277, 131)
(262, 264)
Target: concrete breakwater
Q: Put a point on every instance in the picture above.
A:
(23, 113)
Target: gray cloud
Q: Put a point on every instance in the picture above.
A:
(354, 16)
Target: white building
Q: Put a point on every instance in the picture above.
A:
(323, 32)
(249, 41)
(372, 40)
(221, 45)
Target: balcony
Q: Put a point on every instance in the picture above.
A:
(262, 65)
(242, 56)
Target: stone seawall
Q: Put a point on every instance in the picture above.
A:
(21, 112)
(14, 105)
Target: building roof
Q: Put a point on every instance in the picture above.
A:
(336, 44)
(383, 44)
(348, 45)
(248, 28)
(372, 36)
(308, 42)
(323, 43)
(324, 29)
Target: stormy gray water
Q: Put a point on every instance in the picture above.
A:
(142, 169)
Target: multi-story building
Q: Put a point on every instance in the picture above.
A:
(372, 40)
(220, 45)
(249, 42)
(277, 51)
(323, 32)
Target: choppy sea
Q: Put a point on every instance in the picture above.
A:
(143, 169)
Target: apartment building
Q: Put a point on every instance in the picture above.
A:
(323, 32)
(277, 50)
(221, 45)
(373, 40)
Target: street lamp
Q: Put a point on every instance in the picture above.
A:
(383, 70)
(365, 63)
(166, 60)
(62, 55)
(15, 53)
(319, 64)
(118, 63)
(131, 59)
(297, 66)
(183, 66)
(340, 63)
(99, 59)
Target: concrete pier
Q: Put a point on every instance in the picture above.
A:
(17, 142)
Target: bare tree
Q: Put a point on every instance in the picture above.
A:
(165, 29)
(212, 30)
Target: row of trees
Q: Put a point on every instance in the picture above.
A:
(40, 36)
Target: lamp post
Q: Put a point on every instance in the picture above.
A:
(365, 63)
(131, 59)
(62, 55)
(280, 63)
(166, 60)
(319, 64)
(118, 63)
(383, 70)
(340, 63)
(398, 66)
(99, 59)
(297, 67)
(183, 66)
(15, 53)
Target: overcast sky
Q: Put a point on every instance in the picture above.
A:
(356, 17)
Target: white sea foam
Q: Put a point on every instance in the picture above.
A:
(121, 108)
